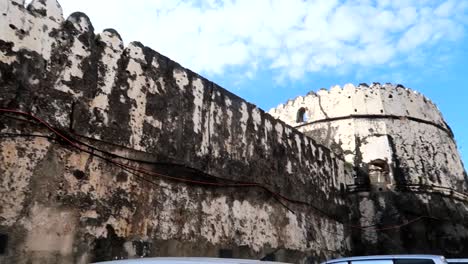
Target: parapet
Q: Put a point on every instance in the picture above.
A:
(349, 100)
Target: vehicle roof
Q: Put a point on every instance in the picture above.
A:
(188, 260)
(382, 257)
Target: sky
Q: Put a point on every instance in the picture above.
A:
(269, 51)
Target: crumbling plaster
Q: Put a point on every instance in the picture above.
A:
(134, 102)
(167, 121)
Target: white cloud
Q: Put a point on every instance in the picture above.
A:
(290, 36)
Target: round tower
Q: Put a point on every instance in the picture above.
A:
(407, 170)
(392, 134)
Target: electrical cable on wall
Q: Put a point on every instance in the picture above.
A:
(138, 172)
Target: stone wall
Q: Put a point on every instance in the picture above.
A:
(199, 171)
(406, 166)
(386, 122)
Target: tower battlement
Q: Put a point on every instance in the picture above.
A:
(374, 100)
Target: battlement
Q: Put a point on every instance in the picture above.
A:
(376, 100)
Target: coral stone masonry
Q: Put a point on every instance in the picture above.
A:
(110, 151)
(388, 124)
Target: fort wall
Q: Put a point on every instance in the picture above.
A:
(111, 151)
(115, 151)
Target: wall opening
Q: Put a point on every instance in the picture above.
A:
(3, 243)
(269, 257)
(379, 174)
(225, 253)
(301, 115)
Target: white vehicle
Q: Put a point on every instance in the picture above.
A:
(184, 260)
(390, 259)
(458, 261)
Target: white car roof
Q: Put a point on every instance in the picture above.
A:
(187, 260)
(382, 257)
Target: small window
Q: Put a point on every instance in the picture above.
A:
(379, 172)
(301, 115)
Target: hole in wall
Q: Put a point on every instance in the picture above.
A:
(122, 177)
(269, 257)
(301, 115)
(3, 243)
(79, 175)
(225, 253)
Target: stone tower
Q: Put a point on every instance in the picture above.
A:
(382, 127)
(398, 147)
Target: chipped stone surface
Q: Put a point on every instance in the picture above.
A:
(100, 201)
(16, 170)
(170, 122)
(134, 102)
(395, 142)
(30, 30)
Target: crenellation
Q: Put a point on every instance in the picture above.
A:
(110, 51)
(50, 9)
(18, 2)
(361, 101)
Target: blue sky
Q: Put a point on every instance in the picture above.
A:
(268, 51)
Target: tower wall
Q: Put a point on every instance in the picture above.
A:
(386, 122)
(405, 162)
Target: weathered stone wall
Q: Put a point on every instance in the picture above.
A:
(406, 165)
(64, 204)
(387, 122)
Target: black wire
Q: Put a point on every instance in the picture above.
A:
(276, 196)
(202, 173)
(133, 172)
(137, 175)
(258, 185)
